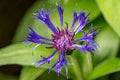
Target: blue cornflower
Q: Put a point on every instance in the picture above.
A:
(63, 39)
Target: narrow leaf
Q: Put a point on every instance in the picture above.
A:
(107, 67)
(31, 73)
(20, 54)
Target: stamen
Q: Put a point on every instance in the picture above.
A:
(52, 35)
(42, 57)
(58, 29)
(66, 25)
(63, 40)
(49, 47)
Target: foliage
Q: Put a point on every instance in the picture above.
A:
(104, 16)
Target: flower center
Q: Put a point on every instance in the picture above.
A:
(63, 40)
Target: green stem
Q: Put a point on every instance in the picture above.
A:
(76, 68)
(87, 66)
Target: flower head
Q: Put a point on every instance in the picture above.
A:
(62, 39)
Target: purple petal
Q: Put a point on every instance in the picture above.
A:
(33, 33)
(79, 47)
(91, 48)
(91, 44)
(82, 23)
(44, 17)
(88, 47)
(35, 38)
(88, 36)
(60, 11)
(60, 62)
(75, 19)
(45, 60)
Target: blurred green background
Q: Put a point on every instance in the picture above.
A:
(16, 59)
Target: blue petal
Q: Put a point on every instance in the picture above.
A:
(88, 36)
(79, 47)
(35, 38)
(91, 48)
(83, 20)
(45, 60)
(88, 47)
(60, 11)
(91, 45)
(34, 34)
(75, 19)
(60, 62)
(44, 17)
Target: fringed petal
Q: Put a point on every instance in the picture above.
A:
(44, 17)
(45, 60)
(60, 11)
(75, 19)
(83, 20)
(60, 63)
(35, 38)
(88, 37)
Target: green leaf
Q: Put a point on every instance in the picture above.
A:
(82, 64)
(20, 54)
(106, 51)
(69, 7)
(51, 76)
(107, 40)
(105, 68)
(31, 73)
(111, 12)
